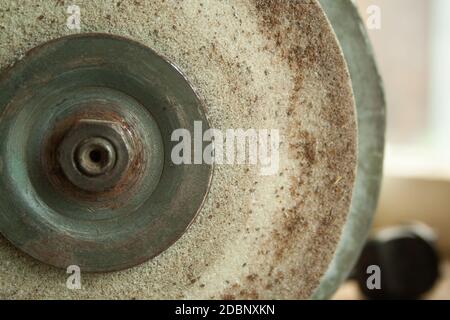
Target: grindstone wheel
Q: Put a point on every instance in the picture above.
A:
(87, 171)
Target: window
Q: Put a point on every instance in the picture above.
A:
(413, 53)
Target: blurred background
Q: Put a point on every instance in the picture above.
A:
(412, 49)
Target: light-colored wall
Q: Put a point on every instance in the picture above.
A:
(401, 48)
(415, 187)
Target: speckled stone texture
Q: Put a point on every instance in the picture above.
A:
(255, 64)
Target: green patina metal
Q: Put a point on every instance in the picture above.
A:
(86, 171)
(370, 105)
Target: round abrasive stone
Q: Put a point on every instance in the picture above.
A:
(255, 65)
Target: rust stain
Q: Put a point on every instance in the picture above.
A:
(111, 198)
(285, 23)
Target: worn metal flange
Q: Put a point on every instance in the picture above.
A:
(86, 140)
(371, 111)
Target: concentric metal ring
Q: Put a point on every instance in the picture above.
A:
(105, 222)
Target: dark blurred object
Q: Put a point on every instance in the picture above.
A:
(407, 259)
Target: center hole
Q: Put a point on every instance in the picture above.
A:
(96, 155)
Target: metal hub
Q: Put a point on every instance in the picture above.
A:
(95, 157)
(86, 153)
(94, 154)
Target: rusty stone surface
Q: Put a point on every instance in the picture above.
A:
(255, 237)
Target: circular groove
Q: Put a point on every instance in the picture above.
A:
(88, 134)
